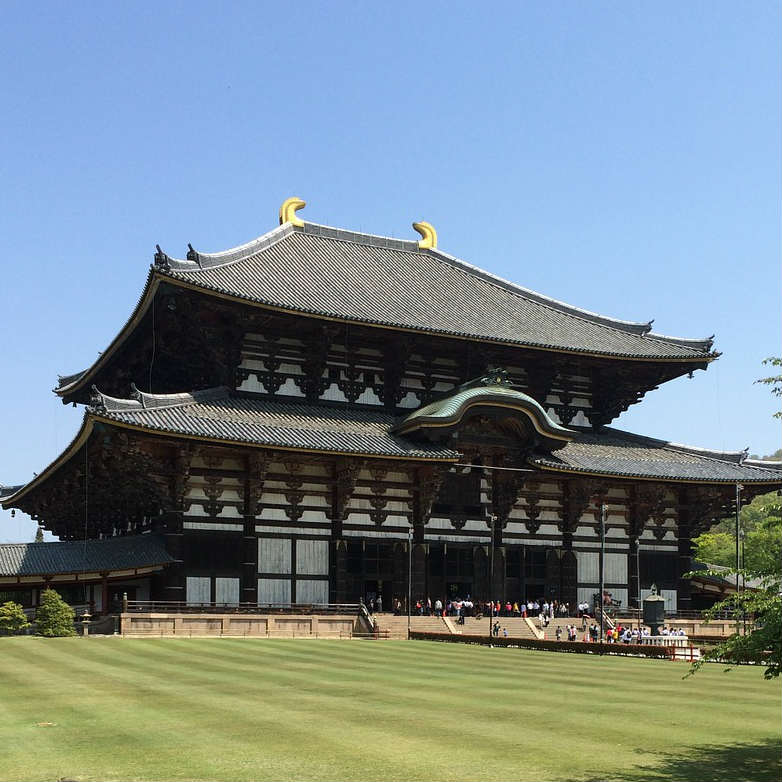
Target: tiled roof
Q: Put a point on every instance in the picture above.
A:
(43, 559)
(614, 452)
(330, 272)
(222, 414)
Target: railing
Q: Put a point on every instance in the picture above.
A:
(608, 620)
(182, 607)
(633, 613)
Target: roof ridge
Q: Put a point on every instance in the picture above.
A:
(737, 457)
(196, 261)
(142, 400)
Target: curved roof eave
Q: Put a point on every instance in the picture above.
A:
(85, 430)
(575, 471)
(697, 361)
(80, 379)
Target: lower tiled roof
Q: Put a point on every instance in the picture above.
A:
(47, 559)
(222, 414)
(614, 452)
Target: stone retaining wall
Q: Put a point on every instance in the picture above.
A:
(257, 625)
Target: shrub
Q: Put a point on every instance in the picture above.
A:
(54, 616)
(577, 647)
(12, 618)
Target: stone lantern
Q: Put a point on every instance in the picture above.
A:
(654, 611)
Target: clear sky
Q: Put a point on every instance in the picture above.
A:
(623, 157)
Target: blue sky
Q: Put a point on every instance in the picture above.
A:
(623, 157)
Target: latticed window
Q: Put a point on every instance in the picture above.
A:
(535, 564)
(460, 496)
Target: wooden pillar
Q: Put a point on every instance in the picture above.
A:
(104, 583)
(634, 576)
(256, 466)
(498, 590)
(419, 572)
(173, 576)
(400, 573)
(553, 575)
(338, 568)
(685, 552)
(505, 488)
(576, 495)
(480, 564)
(249, 574)
(568, 568)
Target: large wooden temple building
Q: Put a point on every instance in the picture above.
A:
(280, 421)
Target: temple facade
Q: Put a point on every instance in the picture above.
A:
(320, 415)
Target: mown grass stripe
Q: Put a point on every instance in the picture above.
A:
(279, 709)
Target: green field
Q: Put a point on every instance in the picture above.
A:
(257, 709)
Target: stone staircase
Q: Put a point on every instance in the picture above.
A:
(516, 626)
(396, 626)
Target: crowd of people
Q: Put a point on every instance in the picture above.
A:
(542, 610)
(461, 607)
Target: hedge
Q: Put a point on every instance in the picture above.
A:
(575, 647)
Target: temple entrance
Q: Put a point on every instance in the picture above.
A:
(460, 589)
(379, 589)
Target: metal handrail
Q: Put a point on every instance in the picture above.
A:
(179, 606)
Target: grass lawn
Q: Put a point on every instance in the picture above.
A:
(258, 709)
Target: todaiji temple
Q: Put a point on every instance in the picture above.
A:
(278, 422)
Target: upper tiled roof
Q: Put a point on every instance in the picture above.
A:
(330, 272)
(43, 559)
(222, 414)
(614, 452)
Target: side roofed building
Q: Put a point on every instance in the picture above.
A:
(285, 416)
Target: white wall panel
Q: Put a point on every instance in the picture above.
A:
(289, 388)
(588, 567)
(227, 590)
(312, 591)
(312, 558)
(293, 530)
(585, 595)
(274, 555)
(274, 590)
(213, 527)
(198, 589)
(619, 594)
(616, 568)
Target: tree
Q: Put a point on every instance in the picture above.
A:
(762, 525)
(762, 644)
(12, 618)
(762, 606)
(54, 616)
(39, 535)
(775, 381)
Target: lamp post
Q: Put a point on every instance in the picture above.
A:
(492, 520)
(743, 579)
(638, 580)
(602, 561)
(739, 487)
(409, 575)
